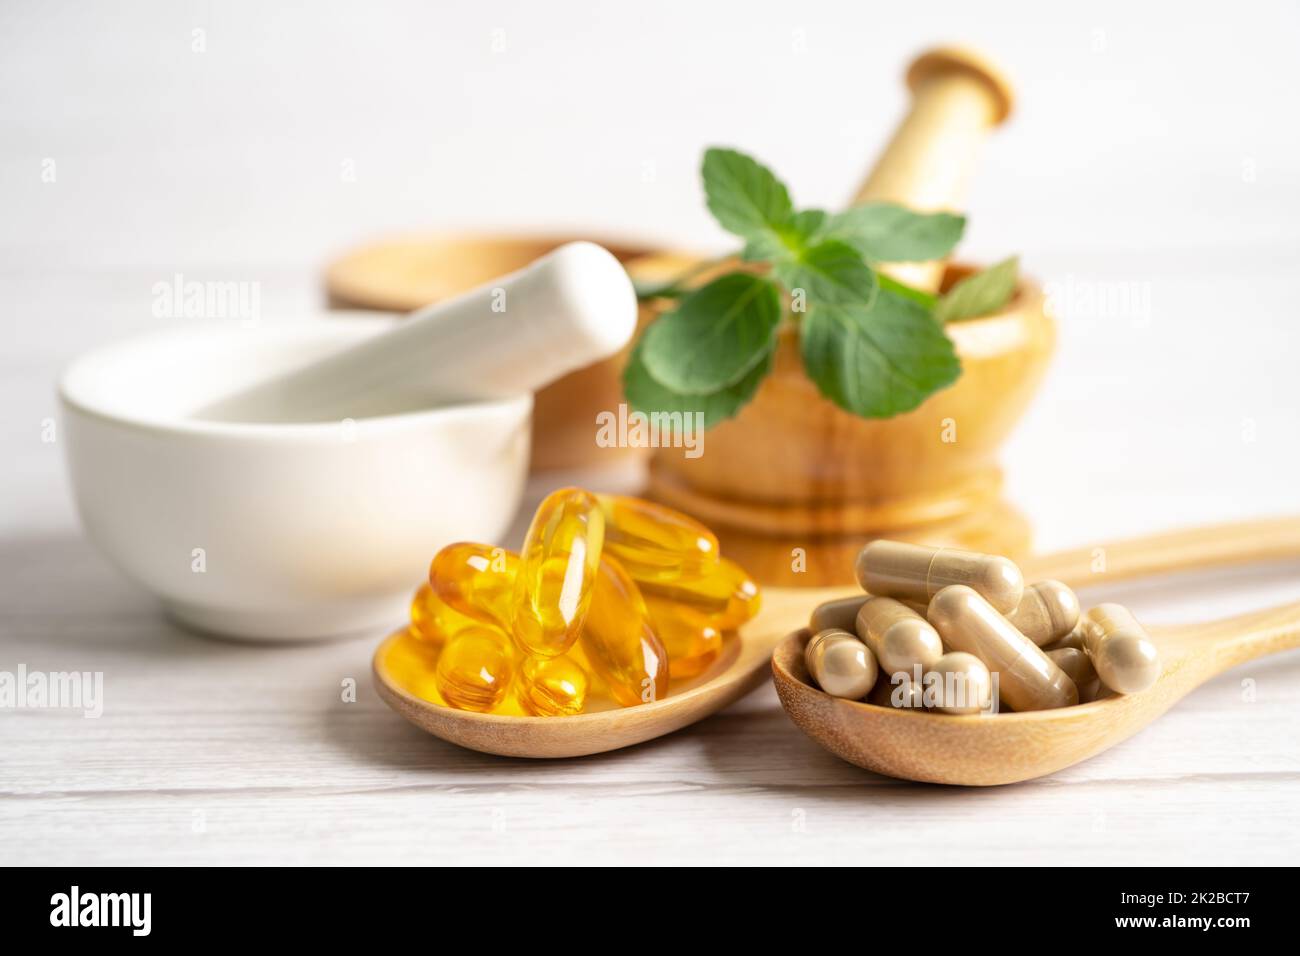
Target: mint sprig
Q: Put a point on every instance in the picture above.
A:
(646, 393)
(745, 196)
(715, 336)
(879, 361)
(831, 272)
(884, 232)
(873, 346)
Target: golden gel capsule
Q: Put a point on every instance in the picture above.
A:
(1048, 612)
(691, 641)
(840, 615)
(557, 572)
(433, 619)
(960, 684)
(907, 694)
(729, 596)
(1076, 665)
(411, 661)
(654, 543)
(477, 581)
(552, 686)
(475, 669)
(915, 572)
(841, 664)
(1026, 677)
(620, 642)
(1125, 657)
(900, 638)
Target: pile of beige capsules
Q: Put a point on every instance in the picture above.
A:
(959, 632)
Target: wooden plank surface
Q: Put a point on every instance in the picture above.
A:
(211, 751)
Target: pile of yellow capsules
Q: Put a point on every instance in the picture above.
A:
(610, 598)
(961, 632)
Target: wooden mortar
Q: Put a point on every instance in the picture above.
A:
(794, 485)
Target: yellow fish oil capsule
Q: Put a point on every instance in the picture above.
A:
(432, 619)
(900, 638)
(960, 684)
(1047, 613)
(654, 543)
(915, 572)
(552, 686)
(412, 660)
(557, 572)
(691, 641)
(619, 641)
(1076, 665)
(841, 615)
(1124, 656)
(841, 664)
(477, 581)
(728, 596)
(475, 669)
(1026, 677)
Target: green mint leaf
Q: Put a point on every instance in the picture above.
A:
(807, 223)
(919, 296)
(789, 240)
(884, 232)
(831, 272)
(715, 335)
(744, 195)
(981, 294)
(646, 394)
(766, 247)
(877, 362)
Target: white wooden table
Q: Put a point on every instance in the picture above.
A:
(1179, 407)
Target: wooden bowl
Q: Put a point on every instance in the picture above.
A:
(400, 275)
(794, 475)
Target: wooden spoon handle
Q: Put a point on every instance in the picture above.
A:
(1235, 640)
(1211, 546)
(957, 98)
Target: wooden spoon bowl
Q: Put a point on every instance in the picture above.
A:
(989, 749)
(742, 666)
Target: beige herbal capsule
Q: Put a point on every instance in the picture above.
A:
(915, 572)
(1027, 678)
(1091, 692)
(840, 615)
(1073, 639)
(841, 664)
(1125, 657)
(961, 683)
(907, 694)
(1076, 664)
(900, 638)
(1048, 612)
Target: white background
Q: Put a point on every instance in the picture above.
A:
(1155, 149)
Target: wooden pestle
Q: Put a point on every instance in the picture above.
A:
(957, 98)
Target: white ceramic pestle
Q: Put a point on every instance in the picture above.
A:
(570, 308)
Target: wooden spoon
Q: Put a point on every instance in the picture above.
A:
(986, 750)
(917, 746)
